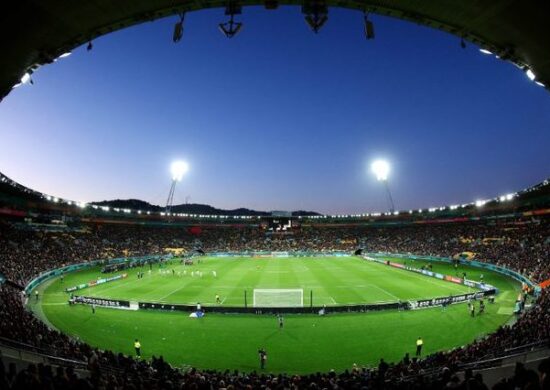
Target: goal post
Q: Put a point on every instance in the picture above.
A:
(277, 297)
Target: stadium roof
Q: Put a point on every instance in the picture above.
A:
(36, 32)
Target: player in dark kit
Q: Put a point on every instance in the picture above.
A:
(281, 321)
(263, 357)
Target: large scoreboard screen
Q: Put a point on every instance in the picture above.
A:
(279, 224)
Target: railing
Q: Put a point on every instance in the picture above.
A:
(498, 356)
(495, 361)
(48, 358)
(45, 355)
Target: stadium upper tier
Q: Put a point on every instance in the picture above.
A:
(19, 201)
(42, 31)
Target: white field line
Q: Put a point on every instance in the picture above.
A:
(223, 300)
(448, 285)
(117, 285)
(167, 295)
(384, 291)
(333, 301)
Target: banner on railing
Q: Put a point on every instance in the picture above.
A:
(424, 303)
(93, 283)
(112, 303)
(478, 264)
(448, 278)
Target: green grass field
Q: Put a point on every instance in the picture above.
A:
(307, 343)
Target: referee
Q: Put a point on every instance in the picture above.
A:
(137, 347)
(419, 344)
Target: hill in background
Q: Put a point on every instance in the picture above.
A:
(190, 208)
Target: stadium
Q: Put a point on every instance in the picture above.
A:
(130, 295)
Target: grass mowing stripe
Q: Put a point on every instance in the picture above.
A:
(308, 342)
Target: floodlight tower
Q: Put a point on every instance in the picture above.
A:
(381, 169)
(178, 169)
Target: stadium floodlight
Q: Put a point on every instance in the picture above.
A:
(485, 51)
(316, 14)
(530, 74)
(178, 169)
(231, 27)
(506, 197)
(369, 26)
(480, 203)
(178, 29)
(26, 78)
(381, 169)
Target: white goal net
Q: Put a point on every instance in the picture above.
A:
(276, 297)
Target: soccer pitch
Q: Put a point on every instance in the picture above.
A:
(306, 343)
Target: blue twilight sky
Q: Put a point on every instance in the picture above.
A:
(278, 117)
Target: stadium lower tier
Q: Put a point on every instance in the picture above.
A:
(304, 343)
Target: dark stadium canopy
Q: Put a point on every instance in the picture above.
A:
(35, 32)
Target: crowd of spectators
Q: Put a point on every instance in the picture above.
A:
(107, 370)
(25, 253)
(523, 247)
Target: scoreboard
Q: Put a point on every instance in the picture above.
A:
(279, 224)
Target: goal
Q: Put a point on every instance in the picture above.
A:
(276, 297)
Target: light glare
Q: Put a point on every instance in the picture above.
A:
(26, 78)
(381, 169)
(178, 169)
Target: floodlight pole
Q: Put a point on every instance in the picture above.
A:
(390, 198)
(170, 199)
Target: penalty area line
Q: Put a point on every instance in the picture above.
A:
(385, 291)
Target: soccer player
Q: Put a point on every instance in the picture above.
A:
(218, 301)
(262, 353)
(214, 274)
(137, 347)
(93, 308)
(473, 310)
(281, 321)
(419, 344)
(36, 295)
